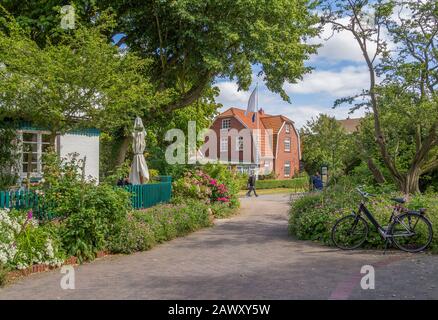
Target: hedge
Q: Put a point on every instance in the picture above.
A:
(313, 216)
(301, 184)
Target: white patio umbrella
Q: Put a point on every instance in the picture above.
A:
(139, 170)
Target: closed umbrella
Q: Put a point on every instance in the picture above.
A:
(139, 170)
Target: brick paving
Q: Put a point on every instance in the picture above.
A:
(249, 256)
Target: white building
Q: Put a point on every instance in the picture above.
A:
(35, 142)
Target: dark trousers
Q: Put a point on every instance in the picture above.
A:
(251, 188)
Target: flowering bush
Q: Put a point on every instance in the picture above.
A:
(199, 185)
(23, 242)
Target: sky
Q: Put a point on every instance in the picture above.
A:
(339, 71)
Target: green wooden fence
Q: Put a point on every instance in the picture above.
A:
(18, 199)
(143, 196)
(148, 195)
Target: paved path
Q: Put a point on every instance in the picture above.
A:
(249, 256)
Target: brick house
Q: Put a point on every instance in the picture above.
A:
(278, 149)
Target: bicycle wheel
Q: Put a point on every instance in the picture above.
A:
(349, 232)
(411, 232)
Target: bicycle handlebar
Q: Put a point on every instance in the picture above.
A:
(364, 194)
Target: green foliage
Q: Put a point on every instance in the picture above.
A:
(143, 229)
(222, 210)
(134, 235)
(404, 102)
(90, 213)
(8, 156)
(192, 42)
(50, 86)
(24, 242)
(313, 216)
(83, 234)
(232, 179)
(201, 186)
(3, 275)
(301, 184)
(119, 172)
(327, 143)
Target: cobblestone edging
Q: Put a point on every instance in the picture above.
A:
(37, 268)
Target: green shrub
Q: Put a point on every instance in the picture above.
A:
(142, 229)
(221, 210)
(201, 186)
(300, 184)
(24, 242)
(313, 216)
(134, 235)
(102, 213)
(3, 275)
(90, 213)
(233, 180)
(170, 221)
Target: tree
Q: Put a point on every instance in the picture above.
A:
(81, 81)
(326, 142)
(192, 42)
(411, 66)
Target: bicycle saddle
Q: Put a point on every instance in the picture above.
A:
(399, 200)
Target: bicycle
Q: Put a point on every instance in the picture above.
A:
(408, 230)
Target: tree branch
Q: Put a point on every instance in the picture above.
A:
(192, 95)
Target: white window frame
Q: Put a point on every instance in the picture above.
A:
(239, 143)
(39, 171)
(287, 145)
(226, 124)
(224, 144)
(287, 128)
(287, 164)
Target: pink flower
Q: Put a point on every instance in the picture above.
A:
(213, 182)
(29, 215)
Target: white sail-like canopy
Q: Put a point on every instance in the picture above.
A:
(139, 170)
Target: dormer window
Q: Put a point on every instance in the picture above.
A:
(226, 123)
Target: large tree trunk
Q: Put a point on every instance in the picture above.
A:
(410, 183)
(123, 146)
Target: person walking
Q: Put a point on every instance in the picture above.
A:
(317, 182)
(251, 185)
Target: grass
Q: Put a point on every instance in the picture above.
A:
(271, 191)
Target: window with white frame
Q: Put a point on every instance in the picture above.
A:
(287, 145)
(287, 128)
(34, 145)
(224, 144)
(287, 169)
(239, 143)
(226, 123)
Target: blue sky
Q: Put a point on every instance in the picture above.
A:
(339, 71)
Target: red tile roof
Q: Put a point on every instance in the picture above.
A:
(266, 122)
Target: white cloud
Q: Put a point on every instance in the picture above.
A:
(300, 114)
(341, 46)
(229, 94)
(346, 81)
(273, 104)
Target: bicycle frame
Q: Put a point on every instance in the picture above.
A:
(382, 231)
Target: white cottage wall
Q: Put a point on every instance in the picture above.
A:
(85, 146)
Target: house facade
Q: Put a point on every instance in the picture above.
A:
(257, 142)
(34, 142)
